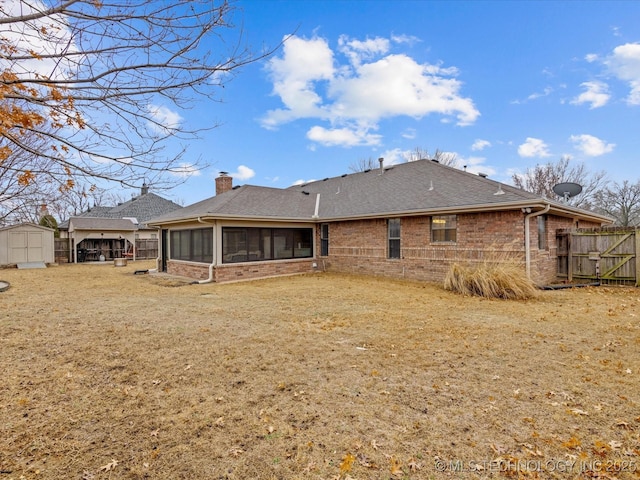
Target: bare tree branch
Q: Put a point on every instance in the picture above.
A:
(88, 78)
(620, 201)
(542, 178)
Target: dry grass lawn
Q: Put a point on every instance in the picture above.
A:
(107, 374)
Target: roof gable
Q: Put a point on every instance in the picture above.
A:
(33, 226)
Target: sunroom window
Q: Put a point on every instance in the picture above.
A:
(194, 245)
(252, 244)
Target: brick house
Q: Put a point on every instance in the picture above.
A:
(411, 220)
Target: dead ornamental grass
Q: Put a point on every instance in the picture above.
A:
(107, 374)
(490, 280)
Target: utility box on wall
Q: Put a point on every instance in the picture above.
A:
(25, 243)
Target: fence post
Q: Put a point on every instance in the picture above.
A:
(569, 257)
(637, 242)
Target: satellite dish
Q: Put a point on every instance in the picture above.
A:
(567, 190)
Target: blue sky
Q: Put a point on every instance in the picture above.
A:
(505, 85)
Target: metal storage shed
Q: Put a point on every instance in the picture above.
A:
(26, 243)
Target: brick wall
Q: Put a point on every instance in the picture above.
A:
(253, 270)
(240, 271)
(360, 246)
(197, 271)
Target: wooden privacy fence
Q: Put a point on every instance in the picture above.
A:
(607, 255)
(146, 249)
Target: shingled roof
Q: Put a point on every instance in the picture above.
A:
(413, 188)
(141, 208)
(248, 201)
(101, 224)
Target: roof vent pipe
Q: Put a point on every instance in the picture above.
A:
(381, 160)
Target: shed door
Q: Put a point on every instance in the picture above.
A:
(35, 247)
(17, 247)
(26, 247)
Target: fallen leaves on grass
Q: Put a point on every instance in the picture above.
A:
(414, 466)
(572, 443)
(577, 411)
(347, 463)
(236, 451)
(109, 466)
(365, 461)
(396, 467)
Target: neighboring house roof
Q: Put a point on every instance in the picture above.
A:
(413, 188)
(141, 208)
(144, 208)
(101, 224)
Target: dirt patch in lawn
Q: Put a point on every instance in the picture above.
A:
(107, 374)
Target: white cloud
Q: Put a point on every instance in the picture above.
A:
(294, 75)
(357, 51)
(596, 94)
(408, 39)
(535, 95)
(163, 119)
(302, 182)
(348, 137)
(243, 173)
(533, 147)
(185, 170)
(591, 146)
(476, 165)
(480, 144)
(545, 93)
(624, 63)
(591, 57)
(397, 155)
(355, 96)
(409, 133)
(43, 37)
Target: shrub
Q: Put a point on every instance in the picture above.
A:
(490, 279)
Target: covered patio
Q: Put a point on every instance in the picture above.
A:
(101, 239)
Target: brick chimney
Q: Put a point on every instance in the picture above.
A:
(43, 211)
(145, 189)
(224, 183)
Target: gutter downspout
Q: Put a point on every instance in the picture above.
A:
(213, 263)
(527, 237)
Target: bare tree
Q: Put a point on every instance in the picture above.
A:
(82, 198)
(542, 178)
(620, 201)
(445, 158)
(20, 196)
(363, 165)
(96, 81)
